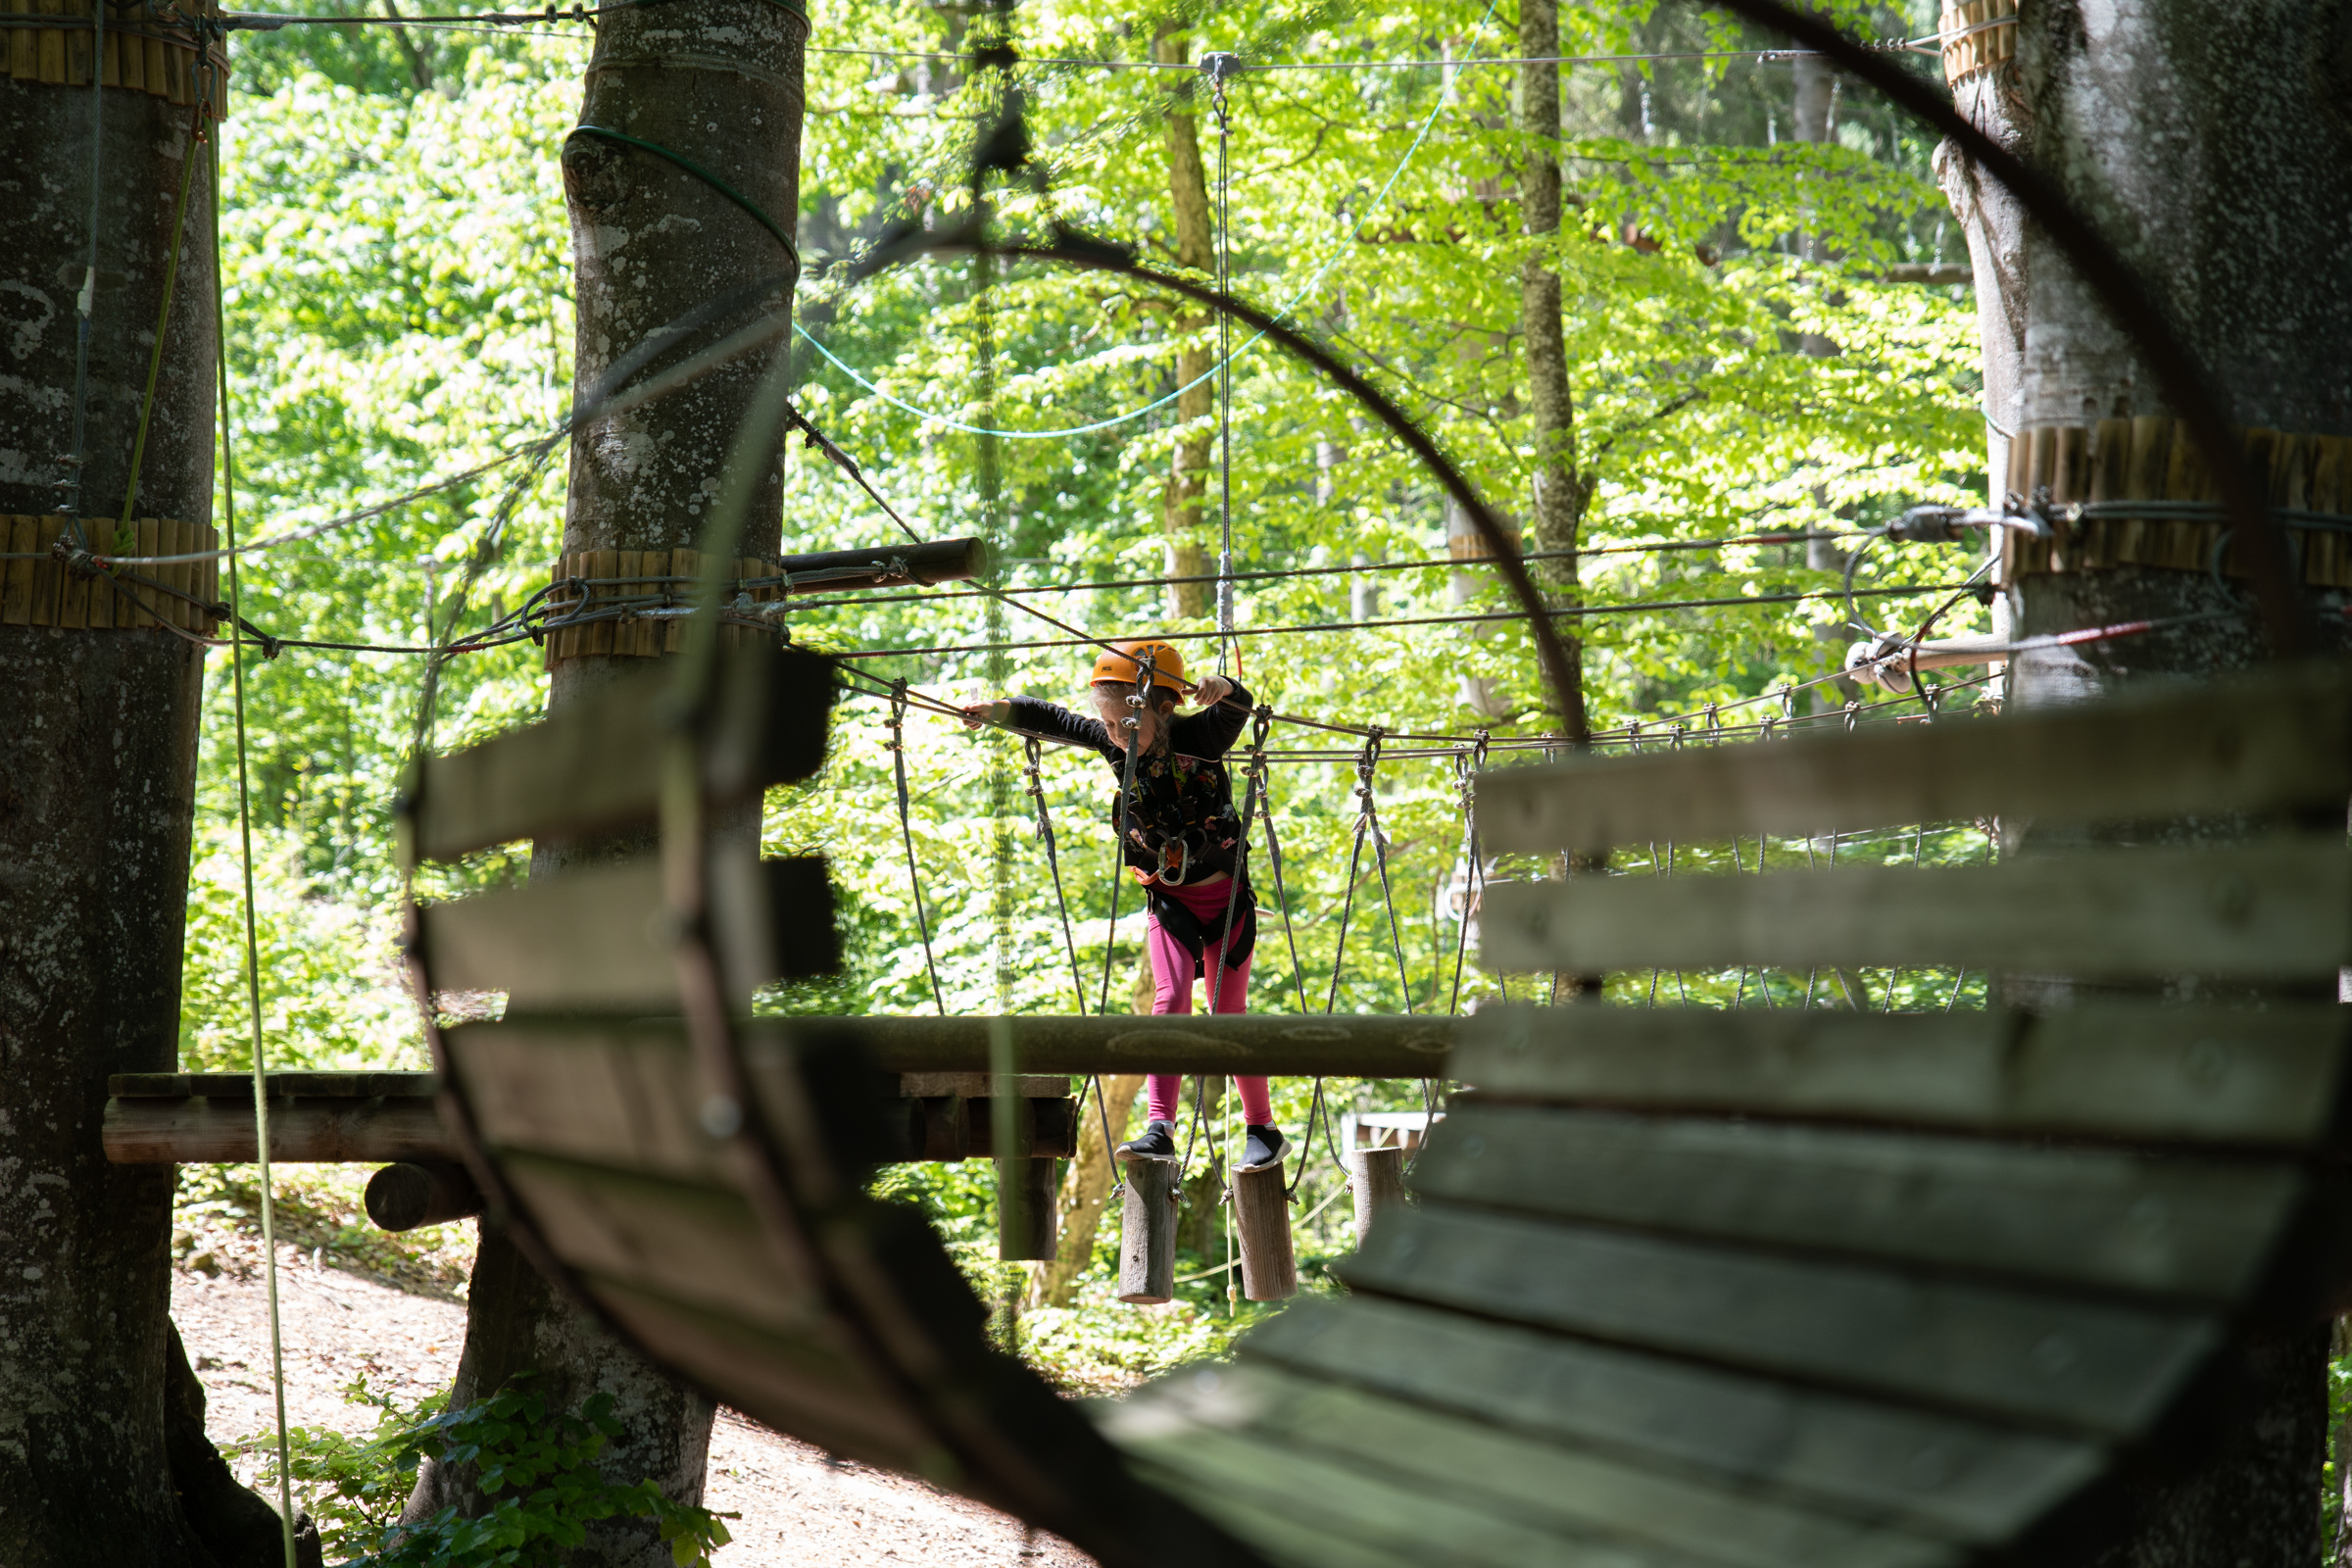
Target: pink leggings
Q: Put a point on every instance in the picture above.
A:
(1172, 992)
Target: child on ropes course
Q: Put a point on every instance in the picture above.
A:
(1179, 836)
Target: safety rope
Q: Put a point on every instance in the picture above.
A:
(1218, 67)
(253, 951)
(1466, 765)
(1031, 757)
(1355, 860)
(897, 747)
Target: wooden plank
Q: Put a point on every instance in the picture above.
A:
(2139, 1072)
(696, 1244)
(1975, 1481)
(2062, 1361)
(1414, 1448)
(74, 588)
(617, 1094)
(281, 1085)
(599, 764)
(2275, 909)
(1286, 1046)
(150, 543)
(604, 565)
(155, 1132)
(103, 594)
(795, 1384)
(2196, 1228)
(1277, 1530)
(597, 937)
(1395, 1513)
(2248, 742)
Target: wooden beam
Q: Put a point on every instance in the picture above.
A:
(2244, 744)
(2280, 910)
(1353, 1046)
(375, 1130)
(598, 766)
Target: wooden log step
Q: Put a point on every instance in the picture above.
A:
(1586, 1495)
(2245, 744)
(2279, 909)
(599, 764)
(1261, 1223)
(597, 937)
(2098, 1367)
(2142, 1073)
(788, 1382)
(1027, 1213)
(2200, 1229)
(1934, 1472)
(1376, 1177)
(1147, 1229)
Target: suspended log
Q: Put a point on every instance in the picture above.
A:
(1148, 1230)
(1362, 1047)
(1261, 1219)
(1377, 1177)
(1025, 1213)
(373, 1130)
(416, 1191)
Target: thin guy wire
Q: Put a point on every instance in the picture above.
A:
(253, 952)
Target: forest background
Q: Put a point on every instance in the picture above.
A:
(1741, 357)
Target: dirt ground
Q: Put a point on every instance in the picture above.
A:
(797, 1506)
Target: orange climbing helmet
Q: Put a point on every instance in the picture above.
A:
(1167, 664)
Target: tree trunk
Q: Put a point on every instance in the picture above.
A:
(2208, 144)
(1084, 1189)
(1183, 498)
(1560, 491)
(97, 778)
(717, 81)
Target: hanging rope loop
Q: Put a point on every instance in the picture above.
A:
(897, 747)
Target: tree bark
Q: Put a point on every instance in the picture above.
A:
(719, 82)
(1084, 1189)
(1560, 490)
(1184, 498)
(2207, 140)
(97, 777)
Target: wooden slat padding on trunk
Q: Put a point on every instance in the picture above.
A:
(2277, 909)
(2143, 1073)
(2198, 1227)
(699, 1244)
(598, 765)
(2062, 1361)
(1977, 1481)
(599, 936)
(2246, 744)
(1414, 1448)
(786, 1380)
(593, 1090)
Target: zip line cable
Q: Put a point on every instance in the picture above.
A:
(253, 955)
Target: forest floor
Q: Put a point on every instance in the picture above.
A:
(796, 1505)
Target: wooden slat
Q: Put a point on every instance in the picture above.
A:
(1975, 1481)
(2033, 1356)
(139, 1132)
(150, 543)
(1397, 1514)
(622, 1095)
(15, 581)
(48, 577)
(2184, 1227)
(281, 1085)
(2277, 910)
(2245, 744)
(599, 764)
(1416, 1449)
(597, 937)
(699, 1244)
(103, 596)
(786, 1380)
(2143, 1073)
(73, 589)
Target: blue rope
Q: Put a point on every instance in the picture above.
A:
(1288, 305)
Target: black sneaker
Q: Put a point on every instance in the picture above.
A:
(1263, 1146)
(1157, 1143)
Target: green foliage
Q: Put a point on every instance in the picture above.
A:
(537, 1465)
